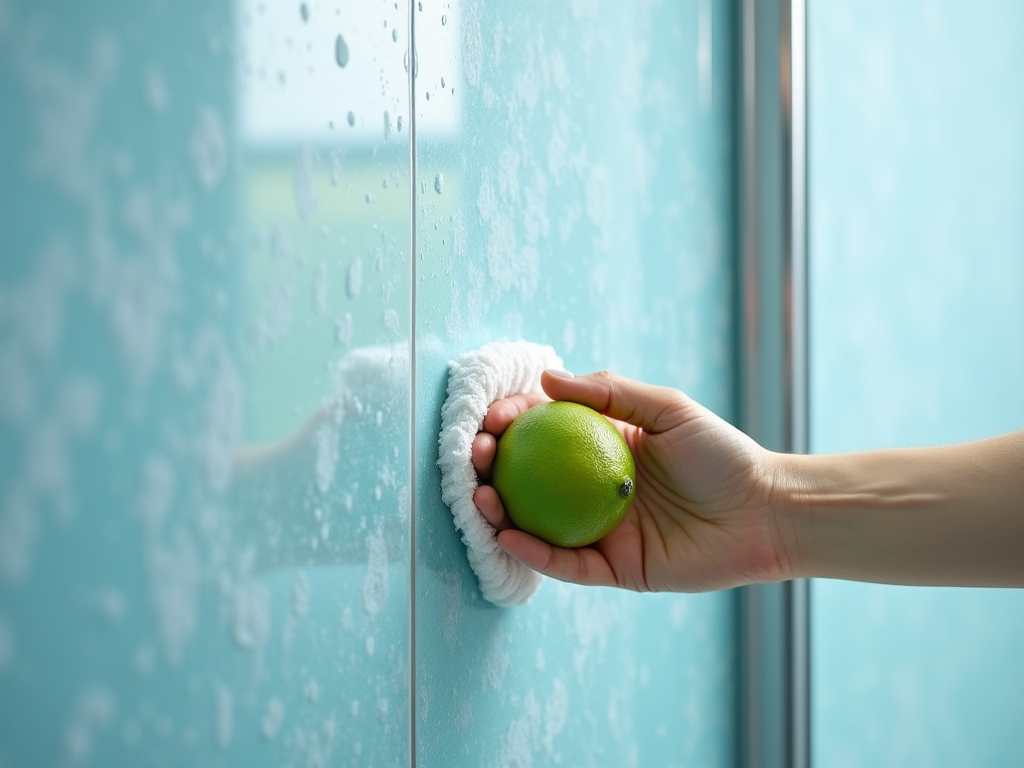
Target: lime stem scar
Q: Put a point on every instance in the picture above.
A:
(626, 488)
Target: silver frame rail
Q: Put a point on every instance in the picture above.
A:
(774, 618)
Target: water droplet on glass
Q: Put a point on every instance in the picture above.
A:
(439, 183)
(444, 20)
(387, 126)
(442, 82)
(399, 123)
(421, 6)
(394, 35)
(351, 118)
(428, 95)
(304, 11)
(405, 60)
(341, 51)
(384, 183)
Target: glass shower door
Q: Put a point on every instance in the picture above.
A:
(204, 384)
(575, 168)
(229, 259)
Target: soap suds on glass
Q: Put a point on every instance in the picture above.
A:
(273, 717)
(94, 710)
(556, 714)
(375, 584)
(497, 661)
(327, 453)
(354, 280)
(208, 148)
(251, 615)
(343, 329)
(521, 740)
(174, 574)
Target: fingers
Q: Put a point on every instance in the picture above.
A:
(499, 416)
(502, 412)
(485, 444)
(490, 506)
(482, 452)
(485, 497)
(578, 566)
(655, 409)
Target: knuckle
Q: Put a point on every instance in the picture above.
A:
(582, 569)
(549, 566)
(609, 383)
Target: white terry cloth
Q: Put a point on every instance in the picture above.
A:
(476, 380)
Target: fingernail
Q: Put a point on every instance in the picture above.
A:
(560, 373)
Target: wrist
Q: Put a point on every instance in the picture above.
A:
(789, 477)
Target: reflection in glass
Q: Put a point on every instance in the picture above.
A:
(204, 325)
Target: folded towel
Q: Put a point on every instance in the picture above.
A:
(476, 380)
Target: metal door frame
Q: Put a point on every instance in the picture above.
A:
(774, 618)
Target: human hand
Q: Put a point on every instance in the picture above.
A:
(702, 517)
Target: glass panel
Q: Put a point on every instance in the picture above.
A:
(204, 384)
(917, 337)
(574, 187)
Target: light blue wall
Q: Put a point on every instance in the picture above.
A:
(917, 338)
(206, 305)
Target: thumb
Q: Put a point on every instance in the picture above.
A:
(654, 409)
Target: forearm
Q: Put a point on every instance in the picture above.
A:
(952, 515)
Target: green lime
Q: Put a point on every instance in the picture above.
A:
(564, 474)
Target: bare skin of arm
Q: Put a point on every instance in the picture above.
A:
(715, 510)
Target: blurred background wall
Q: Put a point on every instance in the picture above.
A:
(916, 194)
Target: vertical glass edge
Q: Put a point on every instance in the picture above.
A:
(412, 383)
